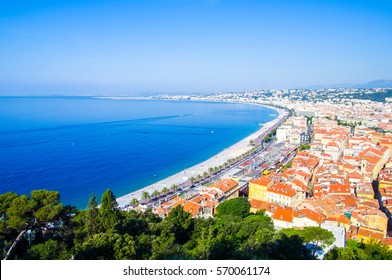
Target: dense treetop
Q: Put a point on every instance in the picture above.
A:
(51, 231)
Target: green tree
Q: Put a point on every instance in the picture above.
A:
(5, 201)
(20, 211)
(289, 248)
(49, 250)
(202, 236)
(254, 225)
(341, 254)
(180, 223)
(237, 207)
(108, 212)
(268, 137)
(165, 247)
(108, 201)
(254, 234)
(174, 187)
(304, 147)
(47, 205)
(45, 197)
(359, 251)
(134, 202)
(107, 246)
(318, 237)
(92, 216)
(125, 248)
(165, 190)
(156, 193)
(145, 196)
(223, 247)
(48, 212)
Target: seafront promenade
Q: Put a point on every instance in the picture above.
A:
(231, 152)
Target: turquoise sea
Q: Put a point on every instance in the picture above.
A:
(83, 145)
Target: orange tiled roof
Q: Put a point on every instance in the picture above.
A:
(332, 144)
(300, 184)
(263, 205)
(355, 175)
(262, 181)
(192, 207)
(370, 234)
(283, 214)
(282, 189)
(309, 214)
(225, 184)
(371, 159)
(341, 219)
(161, 211)
(370, 203)
(387, 241)
(303, 174)
(338, 189)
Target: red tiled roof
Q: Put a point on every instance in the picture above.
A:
(282, 190)
(339, 189)
(283, 214)
(262, 181)
(225, 184)
(309, 214)
(192, 207)
(371, 234)
(341, 219)
(387, 241)
(263, 205)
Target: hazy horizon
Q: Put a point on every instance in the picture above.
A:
(192, 46)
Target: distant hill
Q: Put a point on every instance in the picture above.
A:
(376, 84)
(373, 84)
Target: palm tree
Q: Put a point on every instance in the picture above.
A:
(145, 196)
(174, 187)
(134, 202)
(165, 190)
(156, 193)
(205, 174)
(199, 177)
(211, 170)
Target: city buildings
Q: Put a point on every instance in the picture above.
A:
(340, 175)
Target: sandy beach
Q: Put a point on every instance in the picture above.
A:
(198, 169)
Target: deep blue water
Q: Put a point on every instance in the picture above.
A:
(80, 146)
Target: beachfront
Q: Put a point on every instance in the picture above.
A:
(231, 152)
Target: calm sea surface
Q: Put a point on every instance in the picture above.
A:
(80, 146)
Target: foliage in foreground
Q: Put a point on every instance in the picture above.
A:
(107, 233)
(359, 251)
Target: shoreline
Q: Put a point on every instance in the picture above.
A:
(219, 159)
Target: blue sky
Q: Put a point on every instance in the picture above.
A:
(118, 46)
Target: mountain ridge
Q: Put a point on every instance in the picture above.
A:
(381, 83)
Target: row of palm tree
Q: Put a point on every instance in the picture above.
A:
(155, 194)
